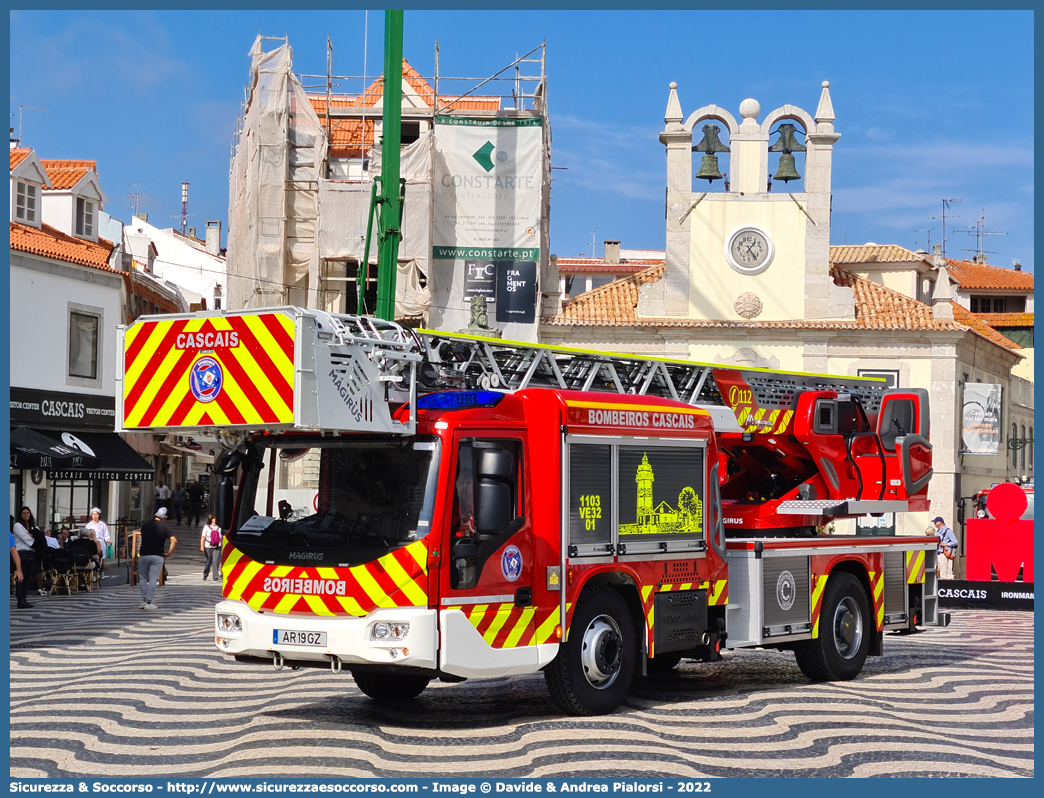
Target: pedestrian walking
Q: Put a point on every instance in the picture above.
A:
(162, 496)
(195, 497)
(24, 540)
(148, 543)
(177, 499)
(947, 547)
(210, 545)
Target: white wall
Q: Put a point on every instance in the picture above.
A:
(41, 291)
(194, 271)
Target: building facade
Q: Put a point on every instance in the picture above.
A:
(749, 279)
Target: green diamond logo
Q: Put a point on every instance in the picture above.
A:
(482, 156)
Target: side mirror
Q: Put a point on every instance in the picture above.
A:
(222, 500)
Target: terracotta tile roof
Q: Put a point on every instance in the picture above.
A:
(982, 277)
(877, 308)
(969, 319)
(581, 265)
(874, 253)
(612, 304)
(66, 174)
(345, 134)
(1006, 319)
(17, 156)
(51, 243)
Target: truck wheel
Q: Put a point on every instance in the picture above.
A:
(593, 670)
(386, 687)
(840, 650)
(662, 664)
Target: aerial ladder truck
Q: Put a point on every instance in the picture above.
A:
(414, 505)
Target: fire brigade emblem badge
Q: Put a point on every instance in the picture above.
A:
(206, 379)
(511, 563)
(786, 591)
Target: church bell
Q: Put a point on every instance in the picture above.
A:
(710, 145)
(787, 144)
(709, 169)
(787, 170)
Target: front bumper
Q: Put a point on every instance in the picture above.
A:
(347, 638)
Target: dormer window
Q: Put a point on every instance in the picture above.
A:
(25, 203)
(84, 218)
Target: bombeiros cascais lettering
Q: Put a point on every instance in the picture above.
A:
(225, 339)
(305, 587)
(631, 418)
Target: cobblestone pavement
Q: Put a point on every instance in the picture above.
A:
(101, 688)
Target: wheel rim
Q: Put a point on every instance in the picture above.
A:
(848, 628)
(601, 652)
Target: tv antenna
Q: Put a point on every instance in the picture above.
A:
(594, 250)
(929, 231)
(21, 111)
(945, 207)
(980, 234)
(135, 196)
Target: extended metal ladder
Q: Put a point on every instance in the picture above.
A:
(465, 361)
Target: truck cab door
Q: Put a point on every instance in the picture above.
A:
(903, 430)
(486, 581)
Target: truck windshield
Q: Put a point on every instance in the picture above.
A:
(347, 501)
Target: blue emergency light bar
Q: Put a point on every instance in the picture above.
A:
(458, 400)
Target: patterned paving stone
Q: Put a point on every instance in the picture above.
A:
(101, 688)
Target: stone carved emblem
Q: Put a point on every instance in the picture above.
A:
(748, 305)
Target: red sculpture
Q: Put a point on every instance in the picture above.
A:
(1003, 540)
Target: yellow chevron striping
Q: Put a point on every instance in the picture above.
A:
(817, 592)
(546, 630)
(477, 613)
(285, 604)
(243, 582)
(646, 590)
(520, 627)
(503, 612)
(417, 596)
(419, 552)
(316, 604)
(369, 585)
(258, 599)
(351, 606)
(279, 358)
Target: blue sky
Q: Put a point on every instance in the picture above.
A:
(930, 105)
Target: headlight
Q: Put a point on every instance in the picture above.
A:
(229, 624)
(387, 632)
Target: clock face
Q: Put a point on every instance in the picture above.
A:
(749, 250)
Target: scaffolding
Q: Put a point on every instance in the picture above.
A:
(303, 163)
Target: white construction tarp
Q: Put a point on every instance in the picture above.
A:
(273, 188)
(488, 184)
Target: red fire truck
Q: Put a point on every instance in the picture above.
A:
(413, 505)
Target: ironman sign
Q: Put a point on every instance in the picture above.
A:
(219, 371)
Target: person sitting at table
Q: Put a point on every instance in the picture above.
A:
(62, 536)
(51, 540)
(96, 554)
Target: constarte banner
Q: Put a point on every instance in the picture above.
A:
(487, 203)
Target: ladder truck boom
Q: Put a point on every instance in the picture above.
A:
(413, 504)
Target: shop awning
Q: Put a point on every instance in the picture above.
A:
(199, 454)
(32, 449)
(109, 457)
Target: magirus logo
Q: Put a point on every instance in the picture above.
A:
(485, 154)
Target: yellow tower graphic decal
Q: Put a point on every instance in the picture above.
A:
(662, 519)
(644, 478)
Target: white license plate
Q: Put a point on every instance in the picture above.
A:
(287, 637)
